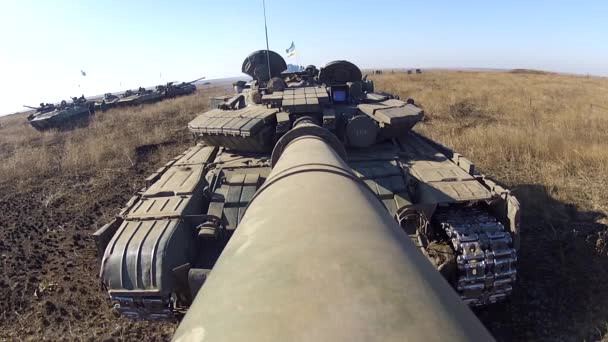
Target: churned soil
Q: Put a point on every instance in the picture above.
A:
(49, 284)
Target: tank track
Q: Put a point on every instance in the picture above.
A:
(149, 308)
(485, 255)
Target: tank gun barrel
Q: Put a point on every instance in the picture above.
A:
(196, 80)
(31, 107)
(317, 257)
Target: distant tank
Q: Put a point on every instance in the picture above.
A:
(109, 100)
(312, 212)
(172, 89)
(139, 96)
(62, 115)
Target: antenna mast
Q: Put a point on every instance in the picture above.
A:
(267, 49)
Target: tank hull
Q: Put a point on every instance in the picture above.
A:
(398, 189)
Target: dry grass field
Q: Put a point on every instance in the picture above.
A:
(521, 128)
(545, 136)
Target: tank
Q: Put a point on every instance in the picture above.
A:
(139, 96)
(310, 209)
(62, 115)
(109, 100)
(173, 89)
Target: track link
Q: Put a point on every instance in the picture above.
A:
(485, 255)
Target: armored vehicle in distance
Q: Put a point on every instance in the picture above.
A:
(310, 191)
(139, 96)
(109, 100)
(172, 89)
(62, 115)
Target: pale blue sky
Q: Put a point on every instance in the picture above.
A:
(124, 44)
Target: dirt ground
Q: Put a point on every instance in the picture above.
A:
(49, 285)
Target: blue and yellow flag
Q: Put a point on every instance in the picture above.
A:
(291, 51)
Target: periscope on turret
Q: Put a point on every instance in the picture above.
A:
(208, 214)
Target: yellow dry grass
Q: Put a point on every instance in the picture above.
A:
(520, 128)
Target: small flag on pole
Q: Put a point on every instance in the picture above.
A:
(83, 73)
(291, 51)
